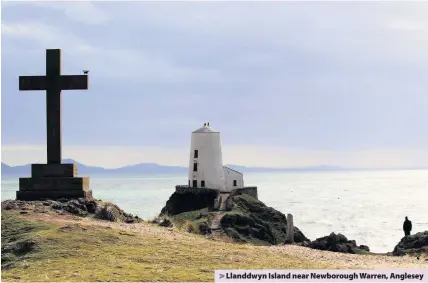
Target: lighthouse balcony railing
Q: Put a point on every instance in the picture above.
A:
(251, 190)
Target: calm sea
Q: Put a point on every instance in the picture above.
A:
(367, 206)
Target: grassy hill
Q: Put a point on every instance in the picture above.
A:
(44, 243)
(48, 247)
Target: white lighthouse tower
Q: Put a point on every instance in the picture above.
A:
(206, 168)
(206, 161)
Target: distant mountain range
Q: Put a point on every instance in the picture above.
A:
(151, 168)
(154, 168)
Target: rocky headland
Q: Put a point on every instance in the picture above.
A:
(246, 220)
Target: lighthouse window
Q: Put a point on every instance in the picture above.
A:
(195, 167)
(196, 153)
(189, 183)
(195, 183)
(202, 184)
(234, 183)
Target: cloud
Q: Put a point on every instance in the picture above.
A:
(316, 76)
(123, 64)
(42, 34)
(80, 11)
(408, 25)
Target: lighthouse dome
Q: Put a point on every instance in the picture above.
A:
(205, 129)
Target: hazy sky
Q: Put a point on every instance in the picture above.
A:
(286, 84)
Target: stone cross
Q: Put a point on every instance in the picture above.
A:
(53, 83)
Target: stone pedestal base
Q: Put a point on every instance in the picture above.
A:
(53, 181)
(53, 170)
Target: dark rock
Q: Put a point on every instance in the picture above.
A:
(232, 233)
(398, 251)
(129, 219)
(109, 213)
(336, 243)
(81, 207)
(415, 244)
(256, 222)
(247, 227)
(91, 206)
(79, 204)
(204, 229)
(341, 238)
(364, 248)
(189, 200)
(10, 206)
(19, 248)
(165, 222)
(299, 237)
(71, 208)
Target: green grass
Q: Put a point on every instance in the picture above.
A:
(193, 219)
(77, 252)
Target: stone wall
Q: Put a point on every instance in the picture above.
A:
(183, 189)
(251, 191)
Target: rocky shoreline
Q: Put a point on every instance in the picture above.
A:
(249, 221)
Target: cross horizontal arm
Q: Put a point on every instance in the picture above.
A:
(68, 82)
(32, 83)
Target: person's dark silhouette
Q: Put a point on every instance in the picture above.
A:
(407, 227)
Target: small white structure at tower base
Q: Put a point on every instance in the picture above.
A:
(233, 178)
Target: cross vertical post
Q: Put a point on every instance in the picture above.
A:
(53, 106)
(53, 83)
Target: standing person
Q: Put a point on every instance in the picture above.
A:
(407, 227)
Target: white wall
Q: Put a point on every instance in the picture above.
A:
(231, 175)
(210, 162)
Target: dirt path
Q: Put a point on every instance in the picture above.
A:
(353, 261)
